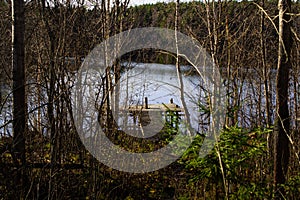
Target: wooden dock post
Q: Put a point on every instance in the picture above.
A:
(146, 102)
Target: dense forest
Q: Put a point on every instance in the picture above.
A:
(256, 46)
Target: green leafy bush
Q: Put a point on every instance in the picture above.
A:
(242, 153)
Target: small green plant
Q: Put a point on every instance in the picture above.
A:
(241, 152)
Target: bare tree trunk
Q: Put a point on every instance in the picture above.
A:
(264, 66)
(212, 24)
(282, 121)
(178, 71)
(19, 98)
(228, 40)
(51, 97)
(296, 88)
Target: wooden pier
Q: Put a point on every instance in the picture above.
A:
(142, 111)
(155, 107)
(164, 107)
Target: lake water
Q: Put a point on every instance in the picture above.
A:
(160, 83)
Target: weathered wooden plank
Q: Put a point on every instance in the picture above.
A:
(154, 107)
